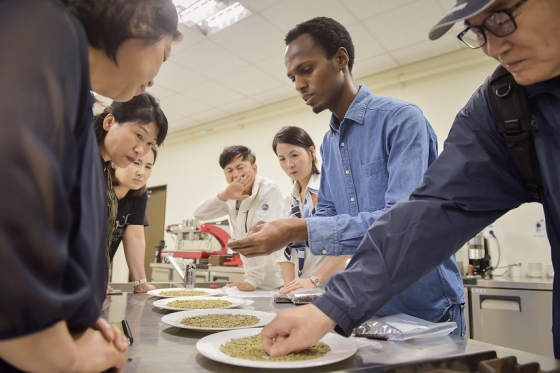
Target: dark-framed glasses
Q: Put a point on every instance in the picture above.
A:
(500, 23)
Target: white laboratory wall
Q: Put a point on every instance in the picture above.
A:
(188, 162)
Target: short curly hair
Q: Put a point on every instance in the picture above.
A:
(328, 34)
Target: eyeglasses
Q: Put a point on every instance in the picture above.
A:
(500, 23)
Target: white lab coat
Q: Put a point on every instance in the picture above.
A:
(266, 204)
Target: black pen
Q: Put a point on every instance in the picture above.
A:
(127, 332)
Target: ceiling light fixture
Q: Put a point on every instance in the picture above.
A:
(210, 16)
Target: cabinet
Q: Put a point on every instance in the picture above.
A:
(228, 274)
(514, 318)
(164, 272)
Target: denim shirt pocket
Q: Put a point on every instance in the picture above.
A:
(373, 168)
(374, 178)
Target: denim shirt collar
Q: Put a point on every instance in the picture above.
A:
(356, 111)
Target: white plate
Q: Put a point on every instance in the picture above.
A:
(162, 303)
(209, 346)
(174, 319)
(209, 292)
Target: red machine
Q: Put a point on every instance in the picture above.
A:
(190, 231)
(222, 238)
(184, 230)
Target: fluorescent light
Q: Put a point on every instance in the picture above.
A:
(200, 11)
(210, 16)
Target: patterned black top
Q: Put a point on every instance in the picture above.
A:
(52, 199)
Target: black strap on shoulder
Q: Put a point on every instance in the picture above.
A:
(513, 120)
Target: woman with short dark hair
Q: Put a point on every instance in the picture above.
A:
(125, 132)
(53, 204)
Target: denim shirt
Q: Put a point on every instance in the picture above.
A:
(376, 156)
(472, 183)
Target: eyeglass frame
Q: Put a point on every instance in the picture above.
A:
(482, 27)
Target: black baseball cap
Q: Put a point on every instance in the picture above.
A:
(462, 10)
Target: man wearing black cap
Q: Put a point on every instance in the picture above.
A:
(472, 183)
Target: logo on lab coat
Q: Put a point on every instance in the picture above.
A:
(265, 207)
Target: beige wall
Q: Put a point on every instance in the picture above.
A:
(188, 162)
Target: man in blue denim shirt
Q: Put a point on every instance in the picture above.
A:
(473, 182)
(375, 153)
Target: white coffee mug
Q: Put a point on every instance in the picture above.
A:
(515, 271)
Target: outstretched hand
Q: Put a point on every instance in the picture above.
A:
(266, 238)
(295, 329)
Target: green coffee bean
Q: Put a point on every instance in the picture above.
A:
(220, 321)
(199, 304)
(251, 348)
(183, 293)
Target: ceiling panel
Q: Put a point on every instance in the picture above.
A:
(405, 26)
(242, 67)
(184, 105)
(160, 92)
(209, 115)
(250, 81)
(275, 66)
(190, 38)
(209, 59)
(363, 9)
(365, 45)
(242, 40)
(176, 78)
(213, 94)
(287, 13)
(240, 105)
(277, 94)
(182, 124)
(426, 49)
(173, 116)
(374, 65)
(258, 5)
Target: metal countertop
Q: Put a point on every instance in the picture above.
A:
(161, 348)
(505, 282)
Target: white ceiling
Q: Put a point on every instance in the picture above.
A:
(242, 67)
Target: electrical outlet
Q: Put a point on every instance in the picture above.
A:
(490, 231)
(539, 229)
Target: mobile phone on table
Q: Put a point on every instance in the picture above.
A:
(125, 328)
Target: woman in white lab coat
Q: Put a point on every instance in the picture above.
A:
(296, 154)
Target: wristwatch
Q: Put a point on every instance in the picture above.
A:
(315, 281)
(139, 282)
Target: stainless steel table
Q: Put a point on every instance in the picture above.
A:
(161, 348)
